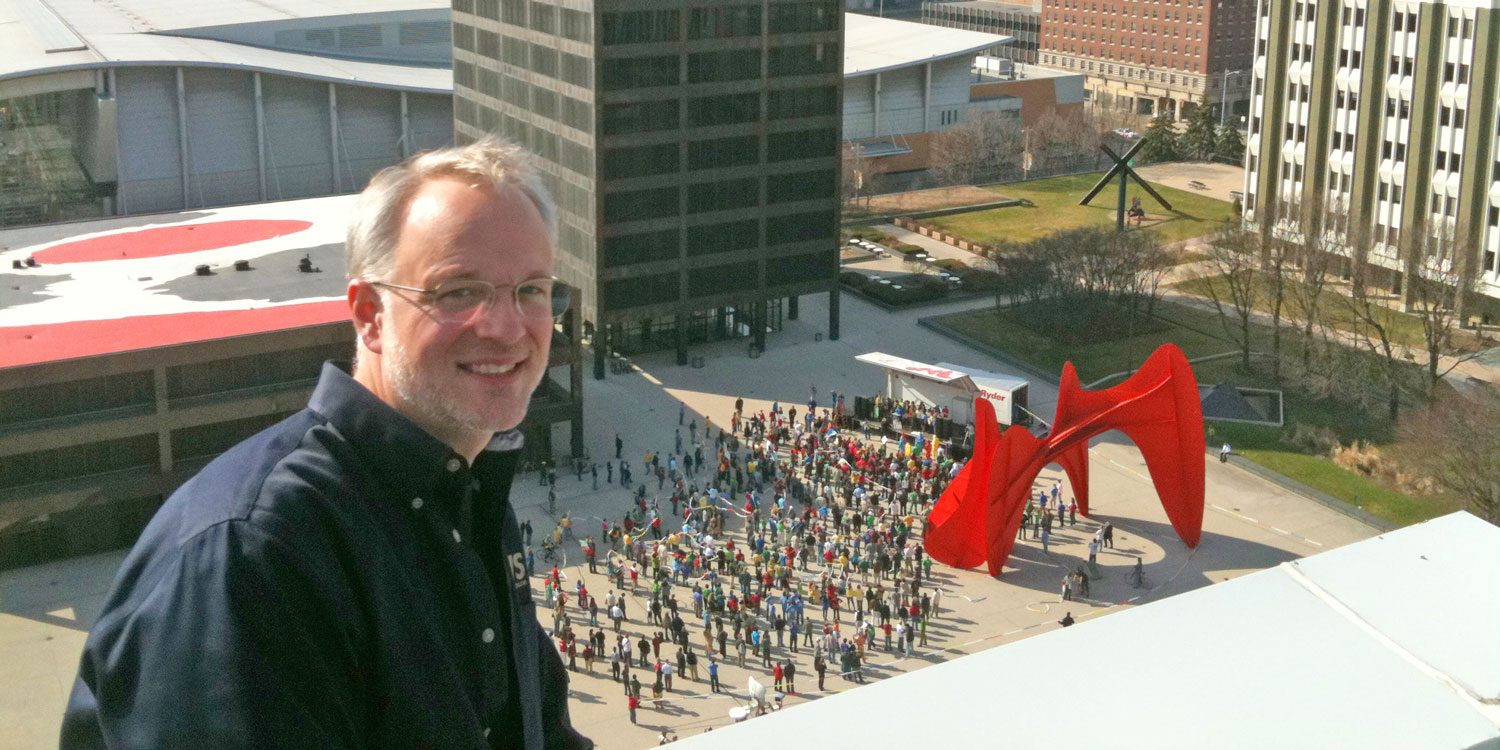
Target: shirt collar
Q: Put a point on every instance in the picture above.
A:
(401, 455)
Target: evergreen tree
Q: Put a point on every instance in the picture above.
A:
(1161, 140)
(1198, 142)
(1231, 146)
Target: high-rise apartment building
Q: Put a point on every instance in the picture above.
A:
(692, 145)
(1149, 56)
(1384, 113)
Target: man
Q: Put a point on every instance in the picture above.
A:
(353, 576)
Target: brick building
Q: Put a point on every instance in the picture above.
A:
(1150, 56)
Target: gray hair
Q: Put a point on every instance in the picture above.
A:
(375, 227)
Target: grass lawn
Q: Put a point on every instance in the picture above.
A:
(1004, 330)
(1055, 206)
(1198, 334)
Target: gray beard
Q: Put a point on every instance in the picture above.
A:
(432, 407)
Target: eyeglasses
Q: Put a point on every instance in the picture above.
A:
(463, 300)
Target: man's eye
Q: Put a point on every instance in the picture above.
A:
(531, 290)
(453, 295)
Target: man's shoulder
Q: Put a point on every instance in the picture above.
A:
(273, 480)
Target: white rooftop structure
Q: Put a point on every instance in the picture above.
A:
(59, 36)
(1393, 642)
(875, 45)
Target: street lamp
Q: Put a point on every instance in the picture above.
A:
(1224, 94)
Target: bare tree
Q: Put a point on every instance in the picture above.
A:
(1374, 327)
(1443, 270)
(1316, 250)
(1458, 436)
(1231, 281)
(856, 175)
(1060, 138)
(972, 149)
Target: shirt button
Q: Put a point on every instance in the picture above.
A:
(416, 503)
(456, 537)
(454, 464)
(486, 732)
(488, 635)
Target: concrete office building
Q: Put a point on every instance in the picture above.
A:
(1385, 112)
(1021, 20)
(1150, 56)
(123, 370)
(693, 148)
(138, 106)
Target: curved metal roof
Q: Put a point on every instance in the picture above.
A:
(875, 45)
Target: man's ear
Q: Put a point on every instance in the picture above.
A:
(367, 311)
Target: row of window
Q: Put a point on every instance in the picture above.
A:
(729, 278)
(719, 109)
(718, 66)
(654, 26)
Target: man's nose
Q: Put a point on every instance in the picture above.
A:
(501, 320)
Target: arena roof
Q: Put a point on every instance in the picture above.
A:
(875, 45)
(1389, 642)
(44, 36)
(130, 283)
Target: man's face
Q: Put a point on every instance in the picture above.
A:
(463, 381)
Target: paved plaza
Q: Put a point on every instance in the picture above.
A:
(1249, 525)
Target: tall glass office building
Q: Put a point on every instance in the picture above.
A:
(692, 145)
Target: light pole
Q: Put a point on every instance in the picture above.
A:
(1224, 95)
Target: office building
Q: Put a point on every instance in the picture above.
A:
(1150, 56)
(693, 148)
(1021, 20)
(1383, 112)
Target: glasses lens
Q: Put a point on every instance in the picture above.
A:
(537, 298)
(559, 300)
(456, 300)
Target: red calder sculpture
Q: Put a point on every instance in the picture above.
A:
(977, 518)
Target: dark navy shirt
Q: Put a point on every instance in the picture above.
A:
(340, 580)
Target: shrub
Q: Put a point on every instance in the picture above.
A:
(1315, 439)
(979, 280)
(950, 264)
(907, 248)
(854, 280)
(914, 288)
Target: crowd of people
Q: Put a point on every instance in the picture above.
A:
(779, 537)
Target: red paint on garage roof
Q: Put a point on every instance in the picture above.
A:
(159, 241)
(26, 345)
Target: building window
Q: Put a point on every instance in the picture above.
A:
(723, 65)
(640, 117)
(637, 27)
(819, 101)
(639, 161)
(723, 195)
(724, 109)
(640, 72)
(724, 152)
